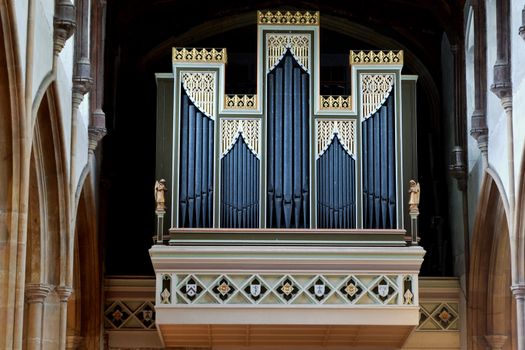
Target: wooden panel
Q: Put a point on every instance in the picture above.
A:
(384, 337)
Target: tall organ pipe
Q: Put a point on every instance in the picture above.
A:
(288, 147)
(239, 187)
(196, 166)
(379, 171)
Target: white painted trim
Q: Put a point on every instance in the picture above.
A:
(288, 315)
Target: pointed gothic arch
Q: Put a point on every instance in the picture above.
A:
(11, 132)
(47, 228)
(84, 318)
(491, 310)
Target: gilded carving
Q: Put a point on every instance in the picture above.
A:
(375, 89)
(336, 102)
(413, 201)
(200, 87)
(240, 101)
(288, 18)
(231, 129)
(194, 55)
(328, 129)
(376, 57)
(160, 190)
(278, 43)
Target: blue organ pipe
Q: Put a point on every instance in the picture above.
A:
(239, 187)
(287, 141)
(335, 203)
(377, 172)
(297, 146)
(333, 194)
(278, 177)
(370, 166)
(287, 117)
(364, 157)
(205, 173)
(183, 183)
(391, 162)
(338, 184)
(384, 165)
(191, 167)
(271, 147)
(379, 188)
(305, 137)
(196, 166)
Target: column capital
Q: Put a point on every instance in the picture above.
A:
(37, 292)
(496, 341)
(518, 290)
(73, 341)
(64, 292)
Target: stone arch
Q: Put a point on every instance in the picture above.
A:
(11, 191)
(47, 226)
(84, 318)
(491, 307)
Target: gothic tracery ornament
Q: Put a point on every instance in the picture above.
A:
(277, 44)
(200, 87)
(375, 89)
(231, 129)
(328, 129)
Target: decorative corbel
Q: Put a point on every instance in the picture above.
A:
(82, 79)
(502, 85)
(64, 23)
(458, 168)
(480, 131)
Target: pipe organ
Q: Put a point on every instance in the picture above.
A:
(252, 161)
(285, 208)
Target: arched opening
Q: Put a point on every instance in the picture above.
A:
(85, 305)
(6, 174)
(491, 306)
(46, 230)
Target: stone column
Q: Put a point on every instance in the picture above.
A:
(36, 294)
(64, 293)
(519, 293)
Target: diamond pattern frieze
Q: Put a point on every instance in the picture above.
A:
(439, 317)
(300, 289)
(384, 290)
(352, 289)
(287, 289)
(191, 289)
(255, 289)
(223, 289)
(320, 289)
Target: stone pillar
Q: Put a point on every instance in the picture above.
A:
(519, 293)
(36, 294)
(495, 341)
(64, 293)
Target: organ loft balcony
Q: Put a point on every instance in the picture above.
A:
(286, 216)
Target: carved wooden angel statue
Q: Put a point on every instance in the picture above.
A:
(160, 189)
(413, 201)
